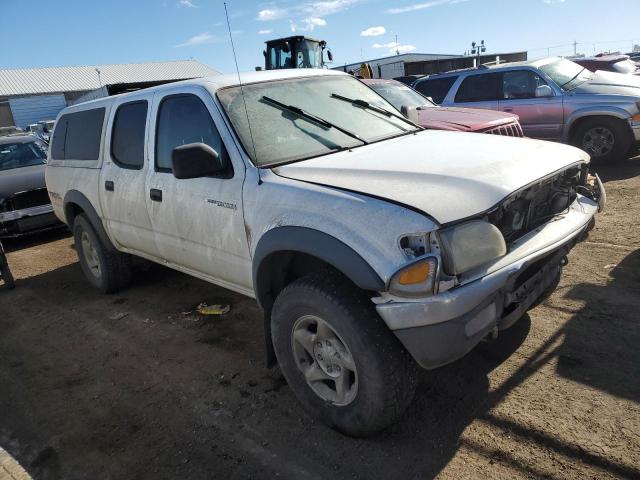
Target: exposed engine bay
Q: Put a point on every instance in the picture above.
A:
(535, 205)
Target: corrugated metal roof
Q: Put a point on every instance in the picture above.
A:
(30, 81)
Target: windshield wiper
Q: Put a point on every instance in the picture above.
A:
(364, 104)
(312, 118)
(573, 78)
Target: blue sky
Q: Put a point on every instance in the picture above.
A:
(75, 32)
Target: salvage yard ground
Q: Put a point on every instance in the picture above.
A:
(132, 385)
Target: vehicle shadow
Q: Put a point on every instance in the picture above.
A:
(620, 170)
(609, 358)
(31, 240)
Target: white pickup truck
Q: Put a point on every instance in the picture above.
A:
(371, 244)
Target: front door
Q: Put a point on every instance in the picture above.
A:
(540, 116)
(198, 223)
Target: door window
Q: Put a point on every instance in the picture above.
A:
(77, 135)
(520, 84)
(127, 138)
(479, 88)
(183, 119)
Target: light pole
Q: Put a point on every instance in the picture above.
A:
(477, 50)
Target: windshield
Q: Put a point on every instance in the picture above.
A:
(566, 74)
(22, 154)
(625, 66)
(280, 135)
(400, 95)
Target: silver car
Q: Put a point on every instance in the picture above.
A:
(555, 98)
(24, 202)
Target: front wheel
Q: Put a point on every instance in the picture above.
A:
(604, 139)
(338, 356)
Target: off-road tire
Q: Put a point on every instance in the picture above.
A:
(621, 137)
(115, 267)
(386, 372)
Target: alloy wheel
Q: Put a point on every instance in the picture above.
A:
(325, 360)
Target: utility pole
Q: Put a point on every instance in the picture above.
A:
(477, 51)
(397, 49)
(575, 48)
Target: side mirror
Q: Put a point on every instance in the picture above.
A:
(544, 91)
(330, 55)
(195, 160)
(411, 113)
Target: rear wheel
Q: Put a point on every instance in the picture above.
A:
(340, 359)
(605, 139)
(106, 269)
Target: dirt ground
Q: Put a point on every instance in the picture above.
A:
(132, 386)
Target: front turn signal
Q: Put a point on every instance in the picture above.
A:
(417, 279)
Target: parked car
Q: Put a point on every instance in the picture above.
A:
(555, 99)
(429, 115)
(24, 202)
(609, 63)
(370, 243)
(408, 79)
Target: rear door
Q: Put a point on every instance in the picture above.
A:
(436, 88)
(540, 117)
(198, 223)
(123, 178)
(481, 90)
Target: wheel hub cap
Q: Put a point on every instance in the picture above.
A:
(325, 360)
(90, 255)
(598, 141)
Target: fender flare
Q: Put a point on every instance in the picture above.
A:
(78, 198)
(603, 111)
(317, 244)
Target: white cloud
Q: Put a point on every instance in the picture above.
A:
(327, 7)
(402, 49)
(307, 24)
(373, 31)
(187, 3)
(422, 6)
(265, 32)
(385, 45)
(551, 2)
(271, 14)
(199, 39)
(305, 10)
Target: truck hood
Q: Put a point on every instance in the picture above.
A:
(610, 83)
(462, 119)
(447, 175)
(21, 180)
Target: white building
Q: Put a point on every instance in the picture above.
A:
(28, 95)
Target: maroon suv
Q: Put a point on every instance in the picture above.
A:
(430, 115)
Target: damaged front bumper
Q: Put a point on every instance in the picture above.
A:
(442, 328)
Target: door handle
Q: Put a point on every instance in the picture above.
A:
(108, 186)
(155, 195)
(507, 109)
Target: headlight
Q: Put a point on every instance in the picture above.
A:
(470, 245)
(416, 279)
